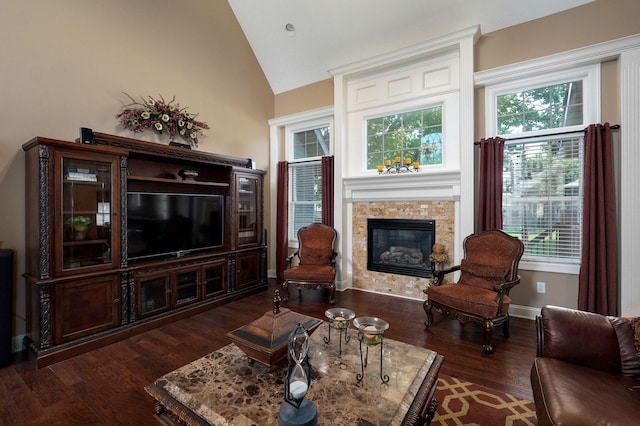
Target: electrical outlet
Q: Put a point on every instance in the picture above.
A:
(542, 287)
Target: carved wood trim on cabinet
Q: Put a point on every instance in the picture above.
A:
(112, 287)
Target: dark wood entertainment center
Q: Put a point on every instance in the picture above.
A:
(86, 290)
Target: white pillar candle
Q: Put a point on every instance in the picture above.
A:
(370, 333)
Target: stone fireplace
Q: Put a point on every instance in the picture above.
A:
(442, 213)
(400, 246)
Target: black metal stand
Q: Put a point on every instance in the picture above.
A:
(341, 331)
(364, 362)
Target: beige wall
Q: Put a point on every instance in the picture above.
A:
(593, 23)
(312, 96)
(602, 20)
(64, 64)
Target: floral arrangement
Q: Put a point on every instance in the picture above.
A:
(163, 117)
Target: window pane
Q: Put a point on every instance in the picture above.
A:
(542, 108)
(415, 134)
(305, 195)
(542, 197)
(311, 143)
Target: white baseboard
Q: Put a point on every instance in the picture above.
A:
(526, 312)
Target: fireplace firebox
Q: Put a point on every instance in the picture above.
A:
(400, 246)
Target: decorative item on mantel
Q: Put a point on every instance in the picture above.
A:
(163, 117)
(438, 258)
(398, 167)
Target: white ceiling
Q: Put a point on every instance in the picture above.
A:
(333, 33)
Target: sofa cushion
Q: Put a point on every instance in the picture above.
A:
(628, 333)
(569, 394)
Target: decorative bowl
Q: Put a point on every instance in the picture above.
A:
(187, 174)
(370, 329)
(340, 318)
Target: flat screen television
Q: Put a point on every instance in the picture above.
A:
(163, 225)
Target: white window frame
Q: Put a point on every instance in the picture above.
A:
(357, 152)
(293, 128)
(590, 76)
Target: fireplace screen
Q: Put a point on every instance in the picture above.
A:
(400, 246)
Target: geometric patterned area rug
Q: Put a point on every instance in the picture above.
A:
(465, 403)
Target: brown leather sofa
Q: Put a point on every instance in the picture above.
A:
(577, 377)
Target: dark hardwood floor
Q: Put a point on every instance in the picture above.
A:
(106, 386)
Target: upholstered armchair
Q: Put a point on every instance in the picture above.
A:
(488, 271)
(317, 260)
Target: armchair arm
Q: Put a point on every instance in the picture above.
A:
(290, 258)
(578, 337)
(505, 287)
(439, 275)
(333, 259)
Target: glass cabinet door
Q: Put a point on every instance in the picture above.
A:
(249, 216)
(153, 294)
(186, 287)
(88, 228)
(215, 278)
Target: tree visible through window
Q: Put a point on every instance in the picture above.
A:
(416, 135)
(542, 199)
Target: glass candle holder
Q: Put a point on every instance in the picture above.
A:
(370, 333)
(339, 319)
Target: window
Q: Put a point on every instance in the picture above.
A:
(415, 134)
(542, 122)
(549, 107)
(311, 143)
(305, 177)
(542, 198)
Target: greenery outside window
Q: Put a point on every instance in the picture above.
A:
(415, 134)
(305, 178)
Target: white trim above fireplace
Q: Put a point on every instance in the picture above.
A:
(403, 187)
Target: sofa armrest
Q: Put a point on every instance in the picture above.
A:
(579, 337)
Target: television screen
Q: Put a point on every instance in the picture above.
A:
(168, 225)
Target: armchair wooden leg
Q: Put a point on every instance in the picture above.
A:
(505, 327)
(332, 290)
(488, 333)
(285, 289)
(427, 309)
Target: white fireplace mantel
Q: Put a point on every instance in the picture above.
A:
(420, 186)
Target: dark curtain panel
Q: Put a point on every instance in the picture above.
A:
(490, 192)
(598, 280)
(327, 190)
(282, 218)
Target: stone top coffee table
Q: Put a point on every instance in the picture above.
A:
(224, 388)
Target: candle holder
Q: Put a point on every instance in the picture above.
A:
(339, 320)
(370, 333)
(297, 410)
(398, 167)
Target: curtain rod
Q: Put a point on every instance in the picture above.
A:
(613, 127)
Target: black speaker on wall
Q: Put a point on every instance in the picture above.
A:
(6, 305)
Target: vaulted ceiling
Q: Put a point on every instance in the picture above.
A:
(328, 34)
